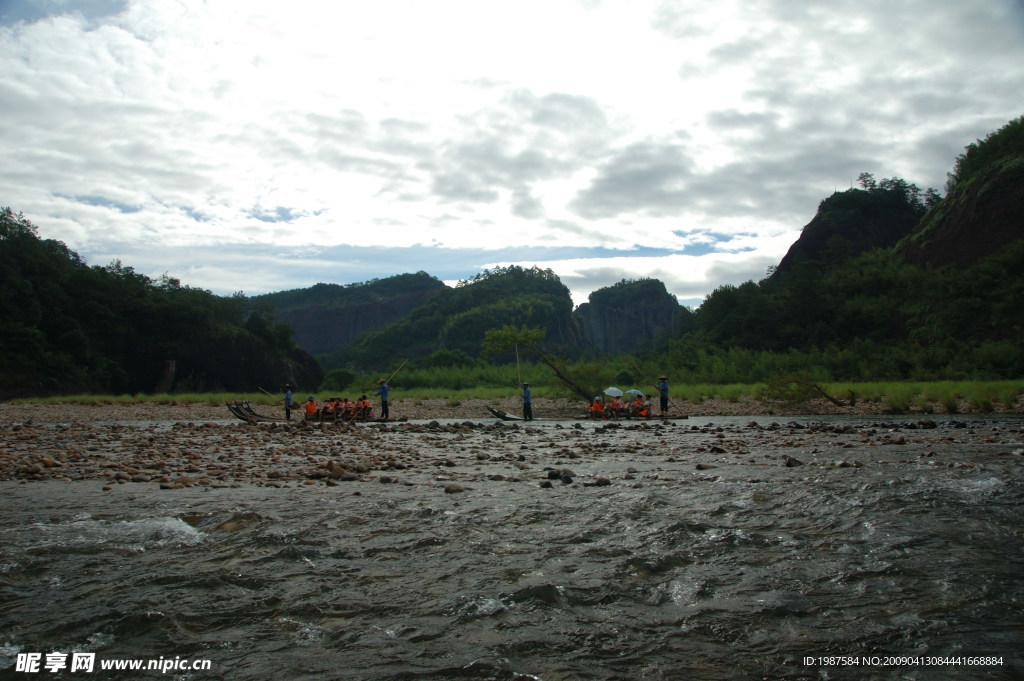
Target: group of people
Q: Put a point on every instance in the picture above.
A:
(637, 408)
(337, 408)
(362, 409)
(640, 408)
(618, 407)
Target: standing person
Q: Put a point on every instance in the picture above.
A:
(663, 394)
(527, 403)
(289, 402)
(383, 392)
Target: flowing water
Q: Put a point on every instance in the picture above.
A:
(740, 571)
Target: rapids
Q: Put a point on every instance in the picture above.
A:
(729, 565)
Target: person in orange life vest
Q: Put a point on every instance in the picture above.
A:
(641, 408)
(618, 407)
(362, 407)
(346, 408)
(311, 409)
(597, 408)
(330, 409)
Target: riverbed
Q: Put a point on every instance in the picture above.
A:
(738, 547)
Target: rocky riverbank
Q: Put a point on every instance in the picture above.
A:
(452, 446)
(416, 409)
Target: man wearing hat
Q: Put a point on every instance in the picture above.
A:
(663, 394)
(289, 402)
(527, 403)
(383, 392)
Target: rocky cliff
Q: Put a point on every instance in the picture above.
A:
(327, 317)
(628, 317)
(234, 364)
(849, 223)
(978, 219)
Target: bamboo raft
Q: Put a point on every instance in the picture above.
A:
(244, 411)
(505, 416)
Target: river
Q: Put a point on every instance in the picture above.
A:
(729, 550)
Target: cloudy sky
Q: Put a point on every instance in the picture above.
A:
(264, 145)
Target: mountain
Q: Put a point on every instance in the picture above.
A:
(66, 327)
(852, 222)
(456, 319)
(326, 317)
(414, 315)
(628, 317)
(983, 212)
(869, 292)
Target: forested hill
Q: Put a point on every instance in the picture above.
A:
(630, 317)
(454, 320)
(867, 298)
(372, 324)
(983, 212)
(66, 327)
(326, 317)
(856, 221)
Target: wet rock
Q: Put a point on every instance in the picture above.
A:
(790, 461)
(453, 488)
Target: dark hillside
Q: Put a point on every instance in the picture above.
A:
(628, 317)
(983, 212)
(457, 319)
(853, 222)
(851, 300)
(326, 317)
(66, 327)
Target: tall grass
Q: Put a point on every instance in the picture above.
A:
(700, 392)
(895, 397)
(937, 396)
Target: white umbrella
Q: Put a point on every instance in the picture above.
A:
(613, 392)
(636, 392)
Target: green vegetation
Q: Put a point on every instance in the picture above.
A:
(68, 327)
(456, 319)
(1002, 148)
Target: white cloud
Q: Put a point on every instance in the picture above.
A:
(684, 140)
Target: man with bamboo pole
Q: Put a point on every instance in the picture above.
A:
(383, 391)
(526, 396)
(527, 403)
